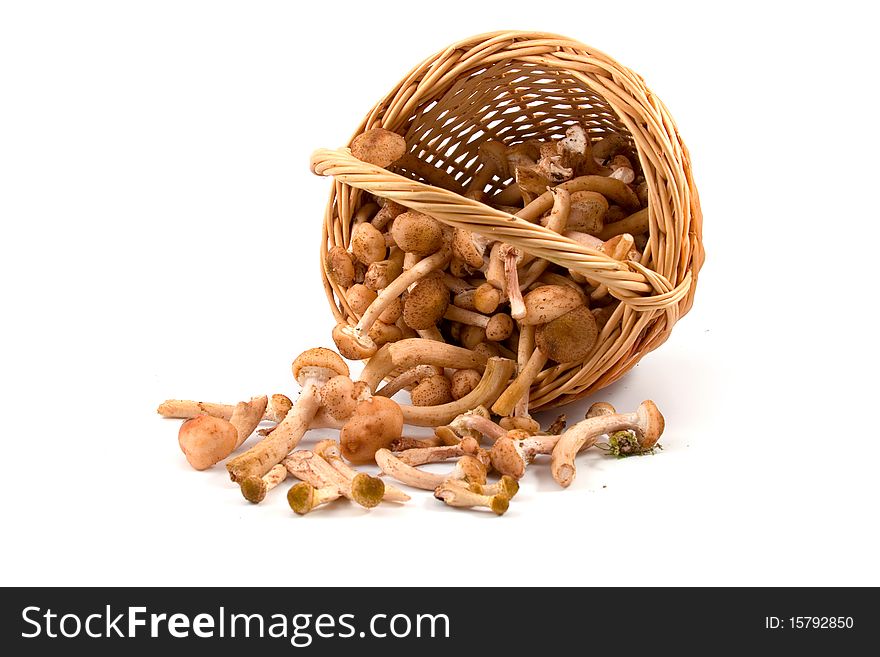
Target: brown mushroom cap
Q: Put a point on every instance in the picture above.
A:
(417, 233)
(426, 303)
(340, 268)
(279, 406)
(499, 328)
(525, 424)
(392, 311)
(546, 303)
(587, 213)
(651, 424)
(206, 440)
(568, 338)
(337, 396)
(463, 382)
(464, 248)
(378, 146)
(375, 424)
(507, 458)
(360, 297)
(381, 333)
(487, 298)
(367, 243)
(473, 469)
(381, 273)
(351, 344)
(432, 391)
(318, 358)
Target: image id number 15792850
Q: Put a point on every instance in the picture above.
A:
(809, 623)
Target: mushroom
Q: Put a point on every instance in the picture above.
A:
(495, 328)
(303, 497)
(184, 408)
(576, 151)
(569, 337)
(375, 423)
(432, 391)
(319, 474)
(622, 169)
(417, 233)
(469, 247)
(426, 303)
(487, 298)
(456, 495)
(634, 224)
(647, 422)
(254, 489)
(468, 469)
(463, 382)
(339, 267)
(587, 212)
(609, 146)
(380, 273)
(516, 449)
(423, 455)
(477, 420)
(368, 244)
(410, 352)
(512, 257)
(507, 486)
(617, 248)
(378, 146)
(312, 369)
(206, 440)
(389, 210)
(340, 395)
(329, 451)
(353, 341)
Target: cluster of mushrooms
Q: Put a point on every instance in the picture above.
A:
(465, 324)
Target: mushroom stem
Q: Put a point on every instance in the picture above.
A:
(467, 469)
(247, 416)
(556, 222)
(646, 422)
(513, 452)
(497, 374)
(508, 400)
(475, 422)
(634, 224)
(303, 497)
(329, 451)
(423, 455)
(314, 470)
(512, 256)
(407, 378)
(407, 353)
(254, 489)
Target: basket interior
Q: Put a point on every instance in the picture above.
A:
(510, 101)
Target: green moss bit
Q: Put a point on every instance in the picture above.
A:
(625, 443)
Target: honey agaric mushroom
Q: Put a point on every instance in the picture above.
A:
(184, 409)
(546, 303)
(368, 244)
(378, 146)
(423, 455)
(389, 210)
(254, 489)
(312, 369)
(647, 422)
(512, 257)
(456, 495)
(340, 395)
(417, 233)
(432, 391)
(496, 328)
(318, 473)
(587, 212)
(329, 451)
(634, 224)
(410, 378)
(516, 449)
(339, 267)
(469, 247)
(477, 420)
(354, 341)
(468, 469)
(506, 485)
(303, 497)
(567, 338)
(463, 382)
(375, 423)
(426, 303)
(206, 440)
(617, 248)
(487, 298)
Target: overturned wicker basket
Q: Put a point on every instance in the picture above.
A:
(511, 87)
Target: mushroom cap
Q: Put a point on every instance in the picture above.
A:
(526, 425)
(351, 344)
(601, 408)
(360, 297)
(417, 233)
(368, 244)
(426, 303)
(587, 212)
(473, 469)
(339, 267)
(487, 298)
(432, 391)
(650, 424)
(381, 273)
(279, 406)
(495, 153)
(392, 311)
(548, 302)
(206, 440)
(499, 327)
(463, 382)
(337, 396)
(319, 358)
(507, 457)
(375, 424)
(381, 333)
(568, 338)
(464, 248)
(378, 146)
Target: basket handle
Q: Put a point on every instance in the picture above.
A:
(632, 283)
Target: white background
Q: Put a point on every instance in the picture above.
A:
(160, 237)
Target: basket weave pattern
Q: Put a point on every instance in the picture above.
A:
(512, 87)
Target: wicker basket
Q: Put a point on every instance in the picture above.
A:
(515, 86)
